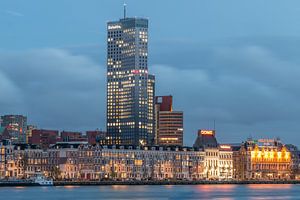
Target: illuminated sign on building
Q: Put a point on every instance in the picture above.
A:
(135, 71)
(207, 132)
(110, 27)
(266, 140)
(225, 146)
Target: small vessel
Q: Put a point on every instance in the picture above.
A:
(43, 181)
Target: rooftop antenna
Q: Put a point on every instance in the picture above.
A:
(214, 125)
(124, 10)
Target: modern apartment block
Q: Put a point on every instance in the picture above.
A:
(130, 88)
(16, 125)
(168, 123)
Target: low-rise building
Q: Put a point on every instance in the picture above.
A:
(218, 161)
(43, 138)
(207, 160)
(264, 159)
(71, 136)
(97, 136)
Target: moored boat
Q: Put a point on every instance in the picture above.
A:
(43, 181)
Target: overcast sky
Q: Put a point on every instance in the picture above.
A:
(236, 62)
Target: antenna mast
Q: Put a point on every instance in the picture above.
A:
(124, 10)
(214, 125)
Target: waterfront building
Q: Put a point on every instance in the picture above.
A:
(130, 87)
(70, 136)
(253, 160)
(168, 123)
(16, 125)
(96, 136)
(29, 132)
(218, 161)
(295, 156)
(225, 164)
(44, 138)
(135, 163)
(264, 159)
(80, 161)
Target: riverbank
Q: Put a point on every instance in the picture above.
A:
(18, 183)
(177, 182)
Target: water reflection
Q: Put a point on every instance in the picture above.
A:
(168, 186)
(70, 186)
(120, 187)
(211, 188)
(19, 187)
(269, 186)
(133, 192)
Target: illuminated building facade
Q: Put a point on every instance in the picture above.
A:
(80, 161)
(130, 88)
(16, 125)
(264, 159)
(86, 162)
(225, 164)
(218, 161)
(168, 123)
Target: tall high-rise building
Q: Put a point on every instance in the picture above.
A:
(130, 88)
(168, 123)
(16, 125)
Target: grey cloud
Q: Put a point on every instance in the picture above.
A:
(57, 89)
(245, 87)
(248, 87)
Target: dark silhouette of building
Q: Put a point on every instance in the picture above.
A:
(94, 137)
(44, 138)
(206, 139)
(69, 136)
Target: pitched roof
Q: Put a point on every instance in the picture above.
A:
(205, 141)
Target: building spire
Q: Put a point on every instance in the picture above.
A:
(124, 10)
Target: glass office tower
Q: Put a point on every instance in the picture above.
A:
(130, 88)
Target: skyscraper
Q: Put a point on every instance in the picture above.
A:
(130, 89)
(169, 123)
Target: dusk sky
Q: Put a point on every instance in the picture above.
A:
(236, 62)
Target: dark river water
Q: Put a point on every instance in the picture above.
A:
(225, 192)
